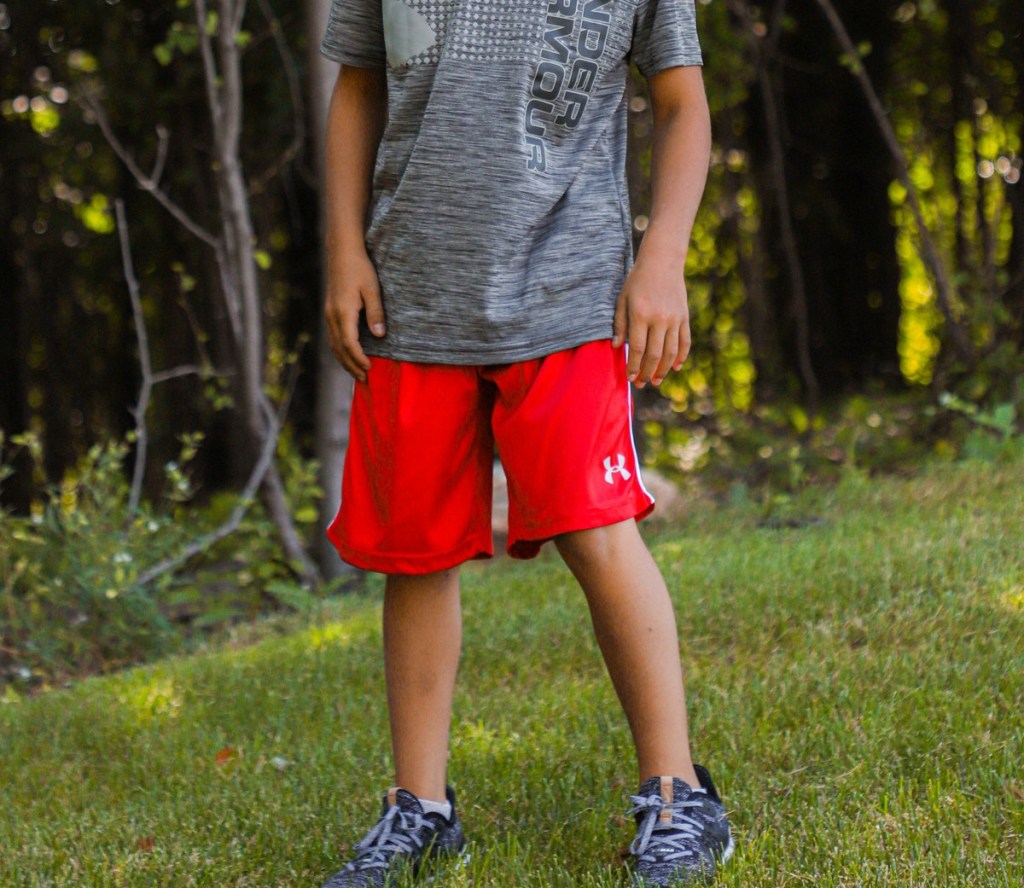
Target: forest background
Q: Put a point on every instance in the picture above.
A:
(856, 284)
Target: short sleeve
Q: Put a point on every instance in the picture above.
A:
(355, 34)
(664, 35)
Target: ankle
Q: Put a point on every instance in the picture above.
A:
(683, 770)
(425, 790)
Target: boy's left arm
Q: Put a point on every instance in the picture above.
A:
(652, 314)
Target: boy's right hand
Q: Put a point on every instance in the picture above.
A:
(352, 287)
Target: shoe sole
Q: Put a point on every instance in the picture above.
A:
(727, 853)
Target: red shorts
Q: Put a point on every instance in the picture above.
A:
(416, 490)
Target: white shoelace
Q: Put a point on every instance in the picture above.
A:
(665, 841)
(397, 832)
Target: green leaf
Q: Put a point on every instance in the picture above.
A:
(163, 54)
(96, 215)
(291, 595)
(262, 259)
(1003, 419)
(221, 613)
(306, 515)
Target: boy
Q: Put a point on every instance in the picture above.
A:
(483, 292)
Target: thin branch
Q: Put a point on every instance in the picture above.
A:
(197, 332)
(149, 183)
(775, 29)
(275, 501)
(179, 372)
(291, 72)
(231, 298)
(945, 291)
(145, 362)
(200, 544)
(239, 15)
(1010, 287)
(163, 137)
(149, 378)
(291, 384)
(146, 183)
(257, 185)
(209, 65)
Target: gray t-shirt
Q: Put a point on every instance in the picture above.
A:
(499, 218)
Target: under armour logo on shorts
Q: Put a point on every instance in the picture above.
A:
(611, 471)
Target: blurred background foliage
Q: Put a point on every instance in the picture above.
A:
(818, 343)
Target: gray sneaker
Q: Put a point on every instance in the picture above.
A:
(682, 835)
(404, 839)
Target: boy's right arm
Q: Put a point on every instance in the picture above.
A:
(355, 124)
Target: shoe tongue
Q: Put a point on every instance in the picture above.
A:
(671, 789)
(405, 800)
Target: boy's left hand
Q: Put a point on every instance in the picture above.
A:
(653, 317)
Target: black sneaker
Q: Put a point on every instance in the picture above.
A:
(404, 839)
(682, 835)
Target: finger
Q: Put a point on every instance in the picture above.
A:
(652, 354)
(333, 321)
(355, 359)
(350, 366)
(669, 350)
(684, 345)
(374, 310)
(637, 347)
(619, 322)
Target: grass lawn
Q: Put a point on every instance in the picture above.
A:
(856, 685)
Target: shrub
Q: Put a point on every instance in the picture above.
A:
(70, 600)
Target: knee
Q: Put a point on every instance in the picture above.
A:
(592, 547)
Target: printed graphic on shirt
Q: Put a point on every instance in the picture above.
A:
(406, 32)
(575, 40)
(464, 30)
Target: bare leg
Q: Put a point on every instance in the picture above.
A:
(636, 630)
(422, 644)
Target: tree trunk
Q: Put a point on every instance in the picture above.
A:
(236, 254)
(334, 385)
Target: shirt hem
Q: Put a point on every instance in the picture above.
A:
(345, 57)
(500, 354)
(650, 67)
